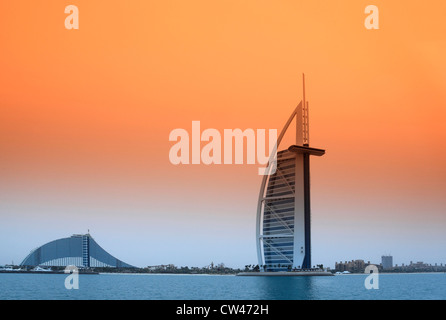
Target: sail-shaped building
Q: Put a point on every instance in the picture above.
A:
(283, 226)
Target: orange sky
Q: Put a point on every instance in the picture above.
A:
(86, 114)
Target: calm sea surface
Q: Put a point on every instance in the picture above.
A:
(192, 287)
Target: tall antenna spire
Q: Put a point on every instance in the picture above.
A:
(303, 88)
(302, 124)
(305, 120)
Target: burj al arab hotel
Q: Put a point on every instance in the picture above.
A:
(283, 226)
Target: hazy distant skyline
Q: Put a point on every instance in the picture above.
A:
(86, 115)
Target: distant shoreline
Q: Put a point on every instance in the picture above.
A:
(192, 274)
(43, 272)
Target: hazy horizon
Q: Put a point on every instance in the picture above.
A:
(86, 116)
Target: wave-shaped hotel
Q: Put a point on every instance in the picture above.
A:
(80, 250)
(283, 226)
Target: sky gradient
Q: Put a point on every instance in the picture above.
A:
(86, 115)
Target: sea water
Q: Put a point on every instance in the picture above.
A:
(222, 287)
